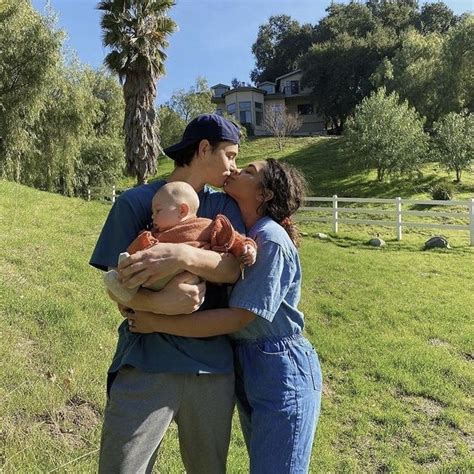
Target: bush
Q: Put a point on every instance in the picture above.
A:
(442, 192)
(453, 142)
(100, 164)
(387, 135)
(250, 130)
(170, 126)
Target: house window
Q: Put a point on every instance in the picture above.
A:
(258, 113)
(218, 91)
(270, 89)
(292, 87)
(305, 109)
(245, 112)
(231, 109)
(219, 111)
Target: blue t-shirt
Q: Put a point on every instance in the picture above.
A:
(158, 352)
(271, 288)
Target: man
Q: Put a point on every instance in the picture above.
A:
(157, 378)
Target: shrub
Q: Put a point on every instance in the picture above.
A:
(442, 192)
(250, 130)
(170, 126)
(387, 135)
(100, 164)
(281, 124)
(453, 142)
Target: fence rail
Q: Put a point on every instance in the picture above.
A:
(396, 214)
(103, 193)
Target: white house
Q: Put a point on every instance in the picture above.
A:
(247, 103)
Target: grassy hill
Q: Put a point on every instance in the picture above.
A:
(392, 327)
(325, 163)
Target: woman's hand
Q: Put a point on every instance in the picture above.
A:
(148, 266)
(125, 311)
(143, 323)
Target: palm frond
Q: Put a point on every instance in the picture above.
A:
(117, 62)
(105, 5)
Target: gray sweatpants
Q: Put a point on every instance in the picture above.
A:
(142, 405)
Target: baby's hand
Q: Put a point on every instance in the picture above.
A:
(249, 256)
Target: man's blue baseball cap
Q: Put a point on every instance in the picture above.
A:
(205, 127)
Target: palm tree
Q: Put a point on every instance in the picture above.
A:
(136, 31)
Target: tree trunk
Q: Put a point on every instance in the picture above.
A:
(458, 175)
(338, 126)
(141, 142)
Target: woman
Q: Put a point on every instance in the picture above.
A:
(278, 378)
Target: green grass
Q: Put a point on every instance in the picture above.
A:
(392, 327)
(326, 164)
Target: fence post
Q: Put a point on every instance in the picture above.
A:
(88, 194)
(335, 223)
(398, 204)
(113, 194)
(471, 220)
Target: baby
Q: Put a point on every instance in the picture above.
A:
(174, 209)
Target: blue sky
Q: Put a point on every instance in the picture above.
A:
(214, 39)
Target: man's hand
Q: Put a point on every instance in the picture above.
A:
(184, 294)
(147, 266)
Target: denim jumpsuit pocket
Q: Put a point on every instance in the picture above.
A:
(273, 379)
(315, 369)
(271, 349)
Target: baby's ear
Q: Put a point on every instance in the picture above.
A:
(183, 210)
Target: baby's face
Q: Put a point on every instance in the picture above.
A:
(166, 212)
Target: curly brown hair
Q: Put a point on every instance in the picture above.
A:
(288, 187)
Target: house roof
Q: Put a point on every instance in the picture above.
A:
(220, 85)
(265, 82)
(288, 74)
(242, 89)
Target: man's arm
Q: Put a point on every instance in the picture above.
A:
(213, 322)
(182, 295)
(147, 266)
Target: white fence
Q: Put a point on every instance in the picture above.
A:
(396, 212)
(103, 192)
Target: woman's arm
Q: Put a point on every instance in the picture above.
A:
(147, 266)
(213, 322)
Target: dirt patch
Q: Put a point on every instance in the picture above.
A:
(469, 356)
(10, 272)
(424, 405)
(439, 342)
(3, 440)
(81, 413)
(328, 392)
(72, 423)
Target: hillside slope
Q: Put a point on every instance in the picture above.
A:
(392, 328)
